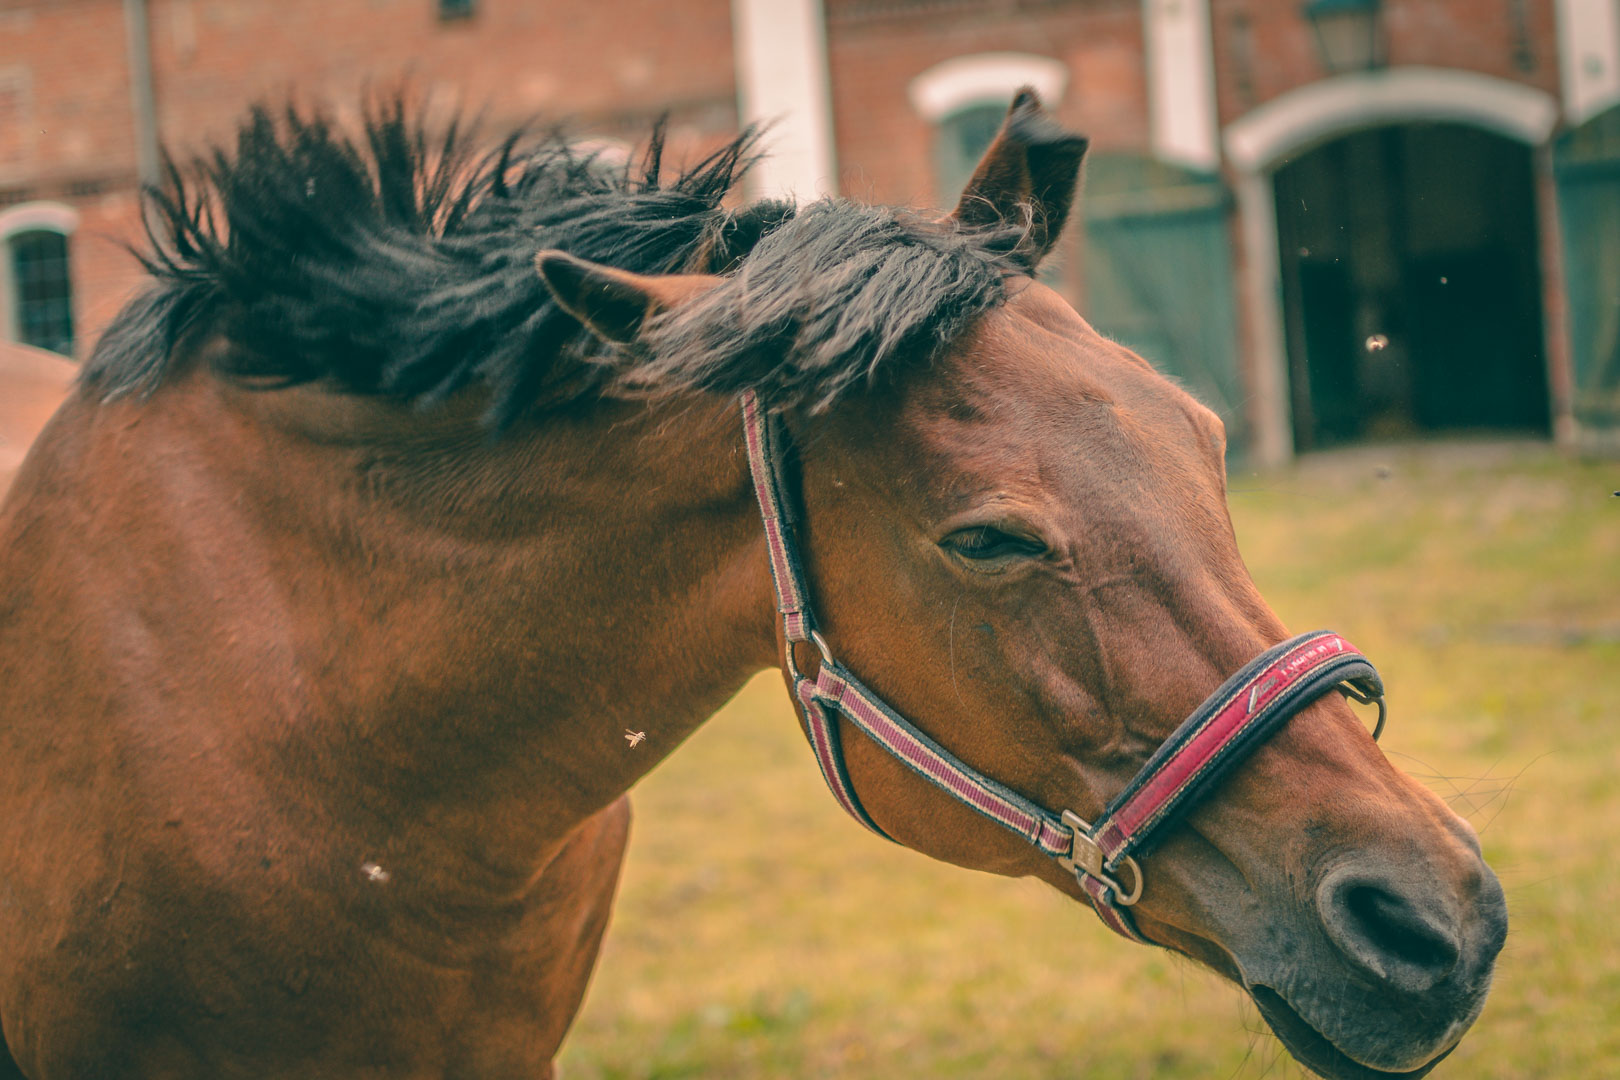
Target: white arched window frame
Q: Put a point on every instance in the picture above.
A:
(15, 221)
(984, 78)
(974, 90)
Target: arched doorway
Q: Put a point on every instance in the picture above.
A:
(1411, 289)
(1289, 127)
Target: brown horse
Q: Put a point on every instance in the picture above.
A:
(327, 599)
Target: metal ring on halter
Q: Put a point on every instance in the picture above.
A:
(1350, 690)
(1121, 897)
(793, 661)
(821, 643)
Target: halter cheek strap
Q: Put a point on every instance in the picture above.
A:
(1220, 734)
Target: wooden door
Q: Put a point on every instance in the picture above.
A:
(1587, 168)
(1158, 275)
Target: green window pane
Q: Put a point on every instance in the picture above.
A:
(42, 290)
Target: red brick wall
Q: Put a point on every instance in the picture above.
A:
(885, 150)
(67, 136)
(66, 122)
(104, 272)
(608, 64)
(64, 102)
(1265, 48)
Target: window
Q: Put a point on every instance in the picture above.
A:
(959, 143)
(457, 9)
(965, 99)
(41, 289)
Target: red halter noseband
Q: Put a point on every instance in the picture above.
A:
(1220, 734)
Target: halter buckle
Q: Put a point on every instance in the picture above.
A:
(1086, 858)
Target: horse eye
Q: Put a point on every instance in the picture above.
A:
(986, 543)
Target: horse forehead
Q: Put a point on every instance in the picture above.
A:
(1042, 373)
(1033, 391)
(1036, 351)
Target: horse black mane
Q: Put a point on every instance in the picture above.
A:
(403, 265)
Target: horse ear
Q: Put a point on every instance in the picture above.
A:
(613, 304)
(1032, 167)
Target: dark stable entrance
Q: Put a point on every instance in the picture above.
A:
(1411, 286)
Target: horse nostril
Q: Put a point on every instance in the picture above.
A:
(1393, 933)
(1390, 924)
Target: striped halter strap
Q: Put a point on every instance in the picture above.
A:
(1223, 731)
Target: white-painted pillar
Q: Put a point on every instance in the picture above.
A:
(1589, 57)
(1273, 417)
(148, 157)
(781, 50)
(1183, 123)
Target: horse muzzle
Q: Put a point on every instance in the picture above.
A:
(1393, 975)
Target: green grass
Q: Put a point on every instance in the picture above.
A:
(759, 933)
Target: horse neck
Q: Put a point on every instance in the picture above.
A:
(461, 631)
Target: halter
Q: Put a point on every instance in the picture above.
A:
(1223, 731)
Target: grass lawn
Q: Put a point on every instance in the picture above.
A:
(760, 933)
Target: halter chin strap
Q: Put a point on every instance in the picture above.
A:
(1220, 734)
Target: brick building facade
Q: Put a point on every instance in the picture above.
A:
(1425, 240)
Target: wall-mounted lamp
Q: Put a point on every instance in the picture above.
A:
(1348, 34)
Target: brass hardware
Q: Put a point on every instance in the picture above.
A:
(1086, 858)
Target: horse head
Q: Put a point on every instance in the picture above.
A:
(1023, 544)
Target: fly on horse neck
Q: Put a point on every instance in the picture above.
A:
(418, 475)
